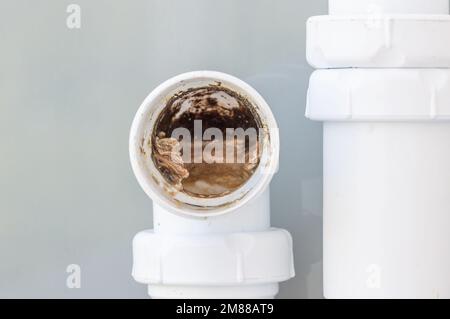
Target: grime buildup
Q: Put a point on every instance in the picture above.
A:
(216, 107)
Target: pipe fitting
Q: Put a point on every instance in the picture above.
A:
(383, 95)
(212, 236)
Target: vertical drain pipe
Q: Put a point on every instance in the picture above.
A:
(220, 247)
(383, 93)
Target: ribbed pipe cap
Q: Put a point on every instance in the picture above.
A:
(342, 7)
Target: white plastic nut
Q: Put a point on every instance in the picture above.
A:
(379, 94)
(382, 41)
(341, 7)
(213, 259)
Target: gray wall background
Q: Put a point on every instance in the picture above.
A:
(67, 99)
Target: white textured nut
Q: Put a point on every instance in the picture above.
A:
(389, 6)
(213, 259)
(379, 95)
(382, 42)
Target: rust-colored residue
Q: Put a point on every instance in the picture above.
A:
(217, 107)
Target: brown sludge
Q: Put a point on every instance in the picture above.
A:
(217, 107)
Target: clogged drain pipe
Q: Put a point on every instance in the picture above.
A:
(212, 236)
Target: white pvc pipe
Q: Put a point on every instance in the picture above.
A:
(254, 216)
(209, 248)
(386, 210)
(383, 95)
(267, 291)
(151, 180)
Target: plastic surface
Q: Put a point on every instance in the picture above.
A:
(377, 94)
(384, 41)
(386, 146)
(388, 6)
(264, 291)
(155, 185)
(386, 210)
(213, 259)
(236, 255)
(252, 217)
(201, 248)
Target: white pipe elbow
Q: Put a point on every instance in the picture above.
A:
(209, 247)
